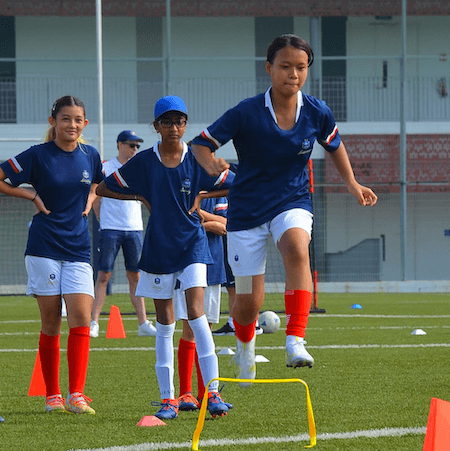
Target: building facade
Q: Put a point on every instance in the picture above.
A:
(212, 53)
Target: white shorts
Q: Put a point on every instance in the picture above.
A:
(47, 277)
(211, 303)
(161, 286)
(247, 249)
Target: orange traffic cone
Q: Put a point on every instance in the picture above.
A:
(115, 324)
(37, 384)
(437, 437)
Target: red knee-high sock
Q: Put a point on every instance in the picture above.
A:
(78, 357)
(244, 333)
(298, 305)
(186, 354)
(200, 383)
(49, 355)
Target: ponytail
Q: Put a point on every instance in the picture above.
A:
(50, 135)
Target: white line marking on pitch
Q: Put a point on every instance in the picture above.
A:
(362, 328)
(371, 433)
(103, 318)
(359, 315)
(327, 315)
(7, 334)
(350, 346)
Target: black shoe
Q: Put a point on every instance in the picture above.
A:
(224, 330)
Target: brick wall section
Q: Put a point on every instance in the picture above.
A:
(224, 8)
(376, 162)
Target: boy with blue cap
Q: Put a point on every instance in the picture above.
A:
(168, 178)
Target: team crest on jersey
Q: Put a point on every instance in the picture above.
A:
(306, 147)
(186, 186)
(85, 178)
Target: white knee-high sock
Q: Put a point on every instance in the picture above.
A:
(206, 351)
(164, 359)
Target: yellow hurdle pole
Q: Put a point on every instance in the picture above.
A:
(201, 417)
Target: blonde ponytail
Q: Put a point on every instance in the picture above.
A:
(50, 135)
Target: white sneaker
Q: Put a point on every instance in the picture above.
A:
(94, 329)
(147, 329)
(296, 354)
(244, 359)
(78, 403)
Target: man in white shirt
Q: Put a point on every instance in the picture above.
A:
(120, 227)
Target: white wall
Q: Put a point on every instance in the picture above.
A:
(428, 248)
(433, 38)
(425, 36)
(372, 98)
(74, 37)
(65, 37)
(212, 37)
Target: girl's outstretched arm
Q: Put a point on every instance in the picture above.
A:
(104, 191)
(364, 195)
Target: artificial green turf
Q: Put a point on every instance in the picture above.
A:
(381, 382)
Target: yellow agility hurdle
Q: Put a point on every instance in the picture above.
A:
(201, 417)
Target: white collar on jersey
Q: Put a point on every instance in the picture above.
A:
(156, 150)
(268, 104)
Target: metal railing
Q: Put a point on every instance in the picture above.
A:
(27, 99)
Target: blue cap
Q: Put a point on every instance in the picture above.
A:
(128, 135)
(169, 103)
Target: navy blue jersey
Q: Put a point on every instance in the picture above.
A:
(63, 181)
(216, 271)
(272, 175)
(174, 239)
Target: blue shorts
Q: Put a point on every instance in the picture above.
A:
(112, 240)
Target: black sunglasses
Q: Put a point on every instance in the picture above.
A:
(132, 145)
(167, 123)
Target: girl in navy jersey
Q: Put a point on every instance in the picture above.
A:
(64, 173)
(167, 178)
(274, 134)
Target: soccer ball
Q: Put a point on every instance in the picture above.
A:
(269, 322)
